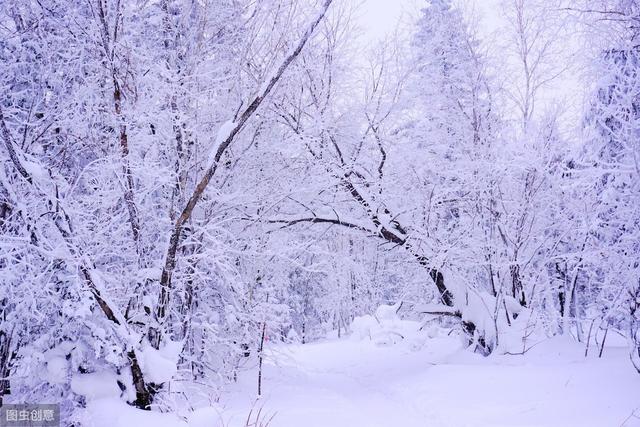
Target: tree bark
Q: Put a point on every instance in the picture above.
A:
(6, 357)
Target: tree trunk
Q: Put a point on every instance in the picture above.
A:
(6, 357)
(517, 288)
(227, 138)
(123, 138)
(143, 396)
(260, 357)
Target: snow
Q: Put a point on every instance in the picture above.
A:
(205, 417)
(426, 379)
(56, 363)
(115, 413)
(35, 170)
(223, 134)
(83, 241)
(96, 385)
(385, 328)
(388, 312)
(149, 273)
(362, 326)
(439, 384)
(159, 366)
(56, 370)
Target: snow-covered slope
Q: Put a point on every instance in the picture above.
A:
(356, 383)
(422, 379)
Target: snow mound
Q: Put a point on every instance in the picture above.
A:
(56, 370)
(159, 366)
(385, 328)
(96, 385)
(362, 326)
(388, 312)
(115, 413)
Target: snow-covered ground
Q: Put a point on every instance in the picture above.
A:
(419, 379)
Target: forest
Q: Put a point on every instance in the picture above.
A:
(219, 212)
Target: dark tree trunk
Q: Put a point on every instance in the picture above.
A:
(6, 357)
(144, 395)
(260, 357)
(517, 288)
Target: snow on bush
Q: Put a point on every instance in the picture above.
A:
(160, 366)
(96, 385)
(384, 328)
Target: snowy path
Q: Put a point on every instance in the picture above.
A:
(355, 383)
